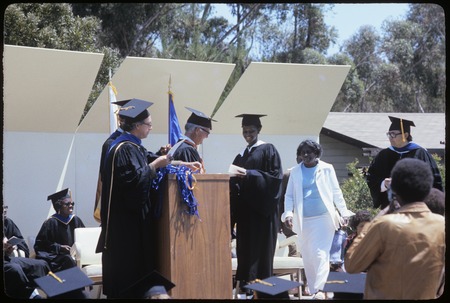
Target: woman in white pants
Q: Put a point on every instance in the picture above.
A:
(312, 197)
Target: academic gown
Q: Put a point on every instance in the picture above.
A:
(10, 229)
(127, 237)
(382, 165)
(105, 147)
(19, 272)
(254, 204)
(187, 152)
(55, 232)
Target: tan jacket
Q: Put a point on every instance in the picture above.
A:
(403, 253)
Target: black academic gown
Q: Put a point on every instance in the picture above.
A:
(382, 165)
(254, 207)
(55, 232)
(10, 229)
(105, 147)
(187, 151)
(19, 272)
(127, 237)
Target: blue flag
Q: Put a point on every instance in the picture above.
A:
(174, 127)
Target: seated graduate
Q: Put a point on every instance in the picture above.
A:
(19, 270)
(56, 236)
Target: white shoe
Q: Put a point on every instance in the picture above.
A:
(319, 296)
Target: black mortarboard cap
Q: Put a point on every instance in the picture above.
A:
(145, 286)
(199, 118)
(121, 103)
(345, 282)
(63, 281)
(135, 110)
(59, 195)
(273, 286)
(396, 124)
(250, 119)
(402, 125)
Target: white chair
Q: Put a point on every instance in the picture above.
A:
(88, 260)
(285, 265)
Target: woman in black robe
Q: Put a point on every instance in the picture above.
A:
(378, 174)
(127, 239)
(56, 236)
(254, 200)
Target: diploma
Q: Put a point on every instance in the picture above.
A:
(235, 170)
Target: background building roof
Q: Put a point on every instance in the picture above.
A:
(369, 129)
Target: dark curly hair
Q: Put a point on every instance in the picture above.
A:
(412, 180)
(316, 147)
(358, 217)
(436, 201)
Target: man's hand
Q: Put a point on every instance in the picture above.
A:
(194, 166)
(163, 150)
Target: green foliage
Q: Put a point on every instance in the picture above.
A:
(49, 25)
(355, 190)
(409, 53)
(111, 61)
(441, 167)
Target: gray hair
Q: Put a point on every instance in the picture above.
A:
(190, 126)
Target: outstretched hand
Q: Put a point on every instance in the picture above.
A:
(194, 166)
(164, 150)
(162, 161)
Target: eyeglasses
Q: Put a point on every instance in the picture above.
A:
(392, 134)
(306, 152)
(206, 131)
(68, 204)
(148, 124)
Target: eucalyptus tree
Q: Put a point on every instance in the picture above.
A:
(362, 47)
(288, 29)
(352, 88)
(417, 47)
(132, 28)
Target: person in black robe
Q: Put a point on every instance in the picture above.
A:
(127, 239)
(378, 174)
(105, 147)
(10, 229)
(19, 272)
(197, 128)
(56, 236)
(254, 200)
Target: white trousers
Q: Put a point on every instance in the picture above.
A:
(315, 244)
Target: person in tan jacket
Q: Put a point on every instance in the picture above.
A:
(404, 251)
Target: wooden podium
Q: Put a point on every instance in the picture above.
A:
(194, 252)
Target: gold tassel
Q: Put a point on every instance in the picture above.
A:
(403, 132)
